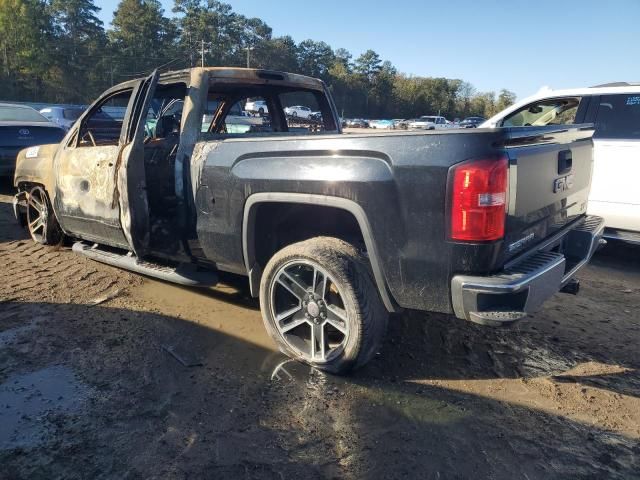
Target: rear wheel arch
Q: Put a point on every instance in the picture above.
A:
(254, 264)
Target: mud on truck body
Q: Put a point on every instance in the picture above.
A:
(333, 231)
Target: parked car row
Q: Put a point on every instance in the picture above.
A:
(426, 122)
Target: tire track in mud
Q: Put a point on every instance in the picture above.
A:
(35, 273)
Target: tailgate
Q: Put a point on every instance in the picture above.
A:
(549, 180)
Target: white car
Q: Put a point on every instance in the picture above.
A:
(384, 124)
(63, 116)
(430, 122)
(614, 109)
(256, 106)
(298, 111)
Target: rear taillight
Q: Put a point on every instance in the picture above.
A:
(478, 192)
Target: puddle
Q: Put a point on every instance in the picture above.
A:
(390, 403)
(224, 308)
(26, 401)
(9, 336)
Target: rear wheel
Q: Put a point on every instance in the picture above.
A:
(320, 305)
(41, 221)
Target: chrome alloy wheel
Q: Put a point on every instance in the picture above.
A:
(37, 214)
(309, 311)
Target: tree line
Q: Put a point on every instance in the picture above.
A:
(60, 51)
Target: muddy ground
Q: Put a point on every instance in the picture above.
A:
(104, 374)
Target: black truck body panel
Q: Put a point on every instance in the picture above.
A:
(400, 182)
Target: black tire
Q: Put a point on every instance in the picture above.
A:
(41, 221)
(261, 111)
(350, 282)
(294, 114)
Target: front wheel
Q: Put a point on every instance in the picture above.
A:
(320, 305)
(41, 221)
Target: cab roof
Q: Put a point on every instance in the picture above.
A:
(252, 75)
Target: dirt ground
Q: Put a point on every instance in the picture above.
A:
(104, 374)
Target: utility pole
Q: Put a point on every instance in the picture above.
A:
(202, 53)
(249, 56)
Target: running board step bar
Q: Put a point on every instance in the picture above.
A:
(185, 274)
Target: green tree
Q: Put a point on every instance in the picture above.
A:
(368, 64)
(343, 57)
(464, 94)
(224, 34)
(484, 104)
(279, 53)
(506, 98)
(25, 34)
(141, 38)
(315, 58)
(80, 40)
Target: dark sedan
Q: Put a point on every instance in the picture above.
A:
(357, 123)
(471, 122)
(22, 127)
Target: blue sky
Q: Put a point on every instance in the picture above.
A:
(520, 45)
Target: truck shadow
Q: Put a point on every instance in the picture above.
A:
(139, 394)
(425, 347)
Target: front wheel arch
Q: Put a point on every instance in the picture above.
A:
(42, 222)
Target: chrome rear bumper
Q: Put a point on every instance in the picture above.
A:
(523, 287)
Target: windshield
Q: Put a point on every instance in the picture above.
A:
(427, 119)
(11, 113)
(546, 112)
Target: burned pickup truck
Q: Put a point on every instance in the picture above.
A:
(169, 176)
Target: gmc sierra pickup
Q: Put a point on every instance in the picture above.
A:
(333, 231)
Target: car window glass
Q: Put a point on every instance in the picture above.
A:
(10, 113)
(560, 111)
(72, 113)
(302, 111)
(618, 117)
(246, 116)
(104, 124)
(165, 111)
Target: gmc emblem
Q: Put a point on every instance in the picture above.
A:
(563, 184)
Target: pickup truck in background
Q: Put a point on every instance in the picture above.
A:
(430, 123)
(333, 231)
